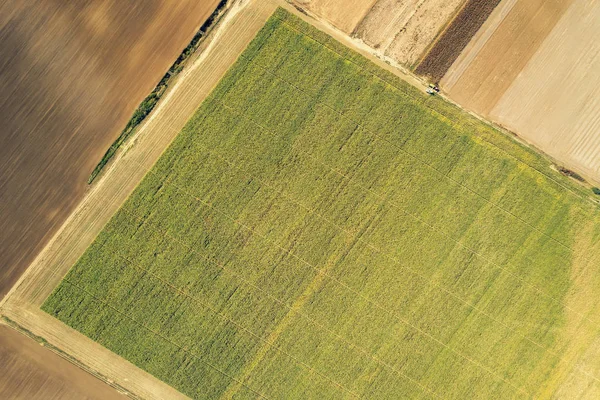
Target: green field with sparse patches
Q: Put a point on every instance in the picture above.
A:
(320, 229)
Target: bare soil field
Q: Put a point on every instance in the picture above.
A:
(71, 74)
(29, 371)
(553, 102)
(500, 50)
(533, 67)
(399, 29)
(345, 15)
(22, 303)
(455, 38)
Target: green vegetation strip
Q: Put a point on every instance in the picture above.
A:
(320, 229)
(146, 107)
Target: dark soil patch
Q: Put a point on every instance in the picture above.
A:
(455, 38)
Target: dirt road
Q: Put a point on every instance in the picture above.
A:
(71, 75)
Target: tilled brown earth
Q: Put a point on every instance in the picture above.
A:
(71, 74)
(29, 371)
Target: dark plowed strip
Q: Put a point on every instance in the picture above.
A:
(451, 43)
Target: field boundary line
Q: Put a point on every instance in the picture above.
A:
(158, 334)
(391, 312)
(431, 227)
(439, 113)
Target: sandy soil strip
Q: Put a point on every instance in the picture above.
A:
(22, 303)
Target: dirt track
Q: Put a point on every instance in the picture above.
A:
(30, 371)
(534, 68)
(71, 75)
(122, 176)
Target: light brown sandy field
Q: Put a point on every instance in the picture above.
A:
(29, 371)
(399, 29)
(554, 101)
(71, 75)
(534, 68)
(345, 15)
(500, 50)
(108, 193)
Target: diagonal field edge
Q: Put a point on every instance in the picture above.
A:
(431, 227)
(445, 176)
(161, 336)
(439, 113)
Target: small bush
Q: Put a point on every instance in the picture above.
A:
(596, 191)
(571, 174)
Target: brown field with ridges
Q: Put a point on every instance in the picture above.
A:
(71, 75)
(455, 38)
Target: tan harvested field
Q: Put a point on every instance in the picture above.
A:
(345, 15)
(71, 75)
(22, 304)
(534, 68)
(500, 50)
(29, 371)
(400, 30)
(554, 102)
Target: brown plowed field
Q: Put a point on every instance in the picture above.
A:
(71, 74)
(398, 29)
(29, 371)
(455, 38)
(534, 68)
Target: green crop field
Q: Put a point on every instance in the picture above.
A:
(320, 229)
